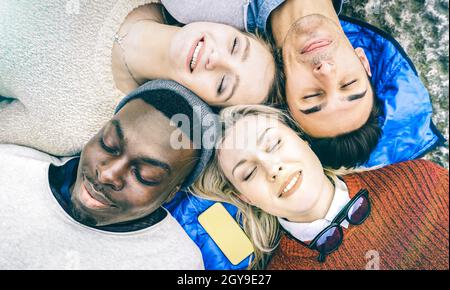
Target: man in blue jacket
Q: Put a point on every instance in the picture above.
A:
(328, 82)
(340, 87)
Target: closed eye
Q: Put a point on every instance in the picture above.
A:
(275, 146)
(311, 96)
(220, 89)
(107, 148)
(144, 181)
(348, 84)
(113, 135)
(250, 174)
(235, 44)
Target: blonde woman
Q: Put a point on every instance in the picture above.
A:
(65, 65)
(390, 218)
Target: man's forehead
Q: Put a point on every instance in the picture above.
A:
(138, 110)
(142, 135)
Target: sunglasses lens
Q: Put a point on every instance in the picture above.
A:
(329, 241)
(359, 211)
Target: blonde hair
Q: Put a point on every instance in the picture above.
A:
(262, 228)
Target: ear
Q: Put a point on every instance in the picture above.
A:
(172, 193)
(363, 58)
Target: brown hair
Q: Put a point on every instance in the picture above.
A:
(350, 149)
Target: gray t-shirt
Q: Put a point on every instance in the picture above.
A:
(230, 12)
(36, 233)
(247, 15)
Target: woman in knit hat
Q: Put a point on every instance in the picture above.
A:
(64, 67)
(394, 217)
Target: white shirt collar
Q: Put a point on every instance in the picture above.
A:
(308, 231)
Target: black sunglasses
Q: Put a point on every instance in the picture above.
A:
(328, 240)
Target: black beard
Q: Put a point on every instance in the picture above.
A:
(82, 217)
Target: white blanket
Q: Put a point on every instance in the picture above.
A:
(55, 59)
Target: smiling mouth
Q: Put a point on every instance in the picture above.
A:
(315, 45)
(291, 184)
(195, 54)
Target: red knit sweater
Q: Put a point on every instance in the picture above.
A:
(408, 227)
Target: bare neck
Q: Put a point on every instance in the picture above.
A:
(290, 11)
(148, 53)
(322, 206)
(142, 53)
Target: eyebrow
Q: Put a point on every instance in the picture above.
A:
(317, 108)
(157, 163)
(233, 89)
(237, 165)
(246, 50)
(258, 142)
(119, 131)
(261, 137)
(243, 59)
(356, 96)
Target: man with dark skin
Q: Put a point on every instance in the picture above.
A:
(125, 172)
(103, 210)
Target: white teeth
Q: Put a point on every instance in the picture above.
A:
(291, 183)
(195, 55)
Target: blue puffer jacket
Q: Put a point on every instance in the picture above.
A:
(408, 131)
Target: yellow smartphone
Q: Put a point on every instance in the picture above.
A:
(226, 233)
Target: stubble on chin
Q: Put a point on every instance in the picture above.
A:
(81, 216)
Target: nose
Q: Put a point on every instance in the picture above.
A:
(323, 69)
(216, 60)
(111, 173)
(272, 166)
